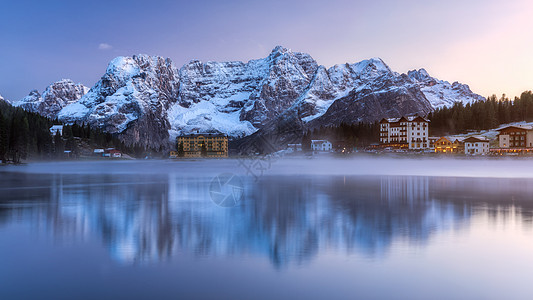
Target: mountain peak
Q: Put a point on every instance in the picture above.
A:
(371, 68)
(124, 65)
(420, 75)
(147, 100)
(54, 98)
(280, 49)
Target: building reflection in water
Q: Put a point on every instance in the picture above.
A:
(289, 220)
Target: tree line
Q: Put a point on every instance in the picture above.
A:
(25, 135)
(481, 115)
(349, 136)
(460, 118)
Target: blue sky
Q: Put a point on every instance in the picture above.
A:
(485, 44)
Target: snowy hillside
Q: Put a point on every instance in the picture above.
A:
(148, 100)
(492, 134)
(54, 98)
(441, 93)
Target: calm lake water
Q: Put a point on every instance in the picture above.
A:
(179, 235)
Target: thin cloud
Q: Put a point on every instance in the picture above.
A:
(104, 46)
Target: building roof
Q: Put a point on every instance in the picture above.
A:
(203, 134)
(452, 139)
(319, 141)
(476, 139)
(404, 119)
(444, 138)
(525, 127)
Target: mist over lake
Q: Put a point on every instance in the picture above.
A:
(316, 228)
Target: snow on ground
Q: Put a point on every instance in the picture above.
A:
(205, 116)
(491, 134)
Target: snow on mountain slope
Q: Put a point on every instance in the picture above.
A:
(56, 96)
(134, 90)
(147, 100)
(336, 82)
(441, 93)
(206, 117)
(236, 98)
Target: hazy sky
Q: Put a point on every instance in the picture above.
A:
(487, 44)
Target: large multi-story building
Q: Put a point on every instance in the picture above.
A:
(405, 132)
(513, 137)
(207, 145)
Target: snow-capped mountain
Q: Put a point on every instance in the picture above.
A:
(147, 100)
(441, 93)
(54, 98)
(131, 99)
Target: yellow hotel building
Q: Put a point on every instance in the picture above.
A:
(216, 145)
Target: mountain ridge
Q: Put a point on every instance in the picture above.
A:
(148, 100)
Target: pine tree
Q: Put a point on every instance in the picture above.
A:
(24, 138)
(306, 142)
(59, 147)
(3, 139)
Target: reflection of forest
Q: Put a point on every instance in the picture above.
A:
(288, 220)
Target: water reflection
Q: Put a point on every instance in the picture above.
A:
(289, 220)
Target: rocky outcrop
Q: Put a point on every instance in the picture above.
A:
(367, 106)
(147, 100)
(54, 98)
(441, 93)
(131, 99)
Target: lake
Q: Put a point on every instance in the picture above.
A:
(183, 230)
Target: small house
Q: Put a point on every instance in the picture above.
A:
(98, 152)
(321, 146)
(476, 145)
(112, 152)
(295, 147)
(55, 129)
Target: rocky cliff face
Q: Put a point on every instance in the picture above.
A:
(131, 99)
(441, 93)
(54, 98)
(369, 105)
(147, 100)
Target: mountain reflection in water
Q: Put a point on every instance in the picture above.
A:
(147, 218)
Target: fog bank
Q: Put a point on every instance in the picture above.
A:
(445, 167)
